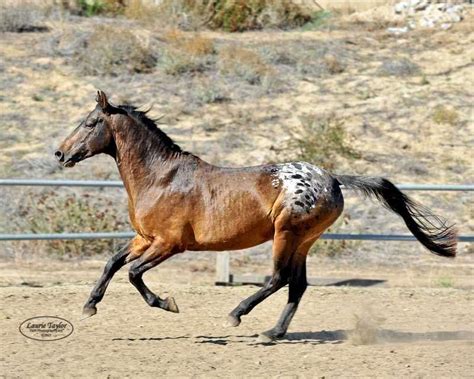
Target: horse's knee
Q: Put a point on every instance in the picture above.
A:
(133, 275)
(278, 279)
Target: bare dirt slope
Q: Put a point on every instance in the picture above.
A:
(416, 332)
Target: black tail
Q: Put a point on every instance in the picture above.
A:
(429, 229)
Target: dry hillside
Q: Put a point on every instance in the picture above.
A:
(403, 104)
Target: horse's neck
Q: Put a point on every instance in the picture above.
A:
(142, 160)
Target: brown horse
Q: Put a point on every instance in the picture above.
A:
(178, 202)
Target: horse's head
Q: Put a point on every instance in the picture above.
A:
(92, 136)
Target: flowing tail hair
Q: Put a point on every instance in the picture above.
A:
(430, 230)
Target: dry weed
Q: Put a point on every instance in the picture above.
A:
(185, 53)
(333, 248)
(244, 63)
(333, 64)
(23, 16)
(195, 44)
(113, 50)
(141, 11)
(445, 115)
(51, 212)
(398, 67)
(320, 140)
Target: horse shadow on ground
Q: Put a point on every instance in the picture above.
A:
(379, 336)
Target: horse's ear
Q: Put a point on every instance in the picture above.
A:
(102, 101)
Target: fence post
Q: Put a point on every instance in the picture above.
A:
(223, 268)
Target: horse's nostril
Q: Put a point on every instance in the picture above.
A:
(59, 155)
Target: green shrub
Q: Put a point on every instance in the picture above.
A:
(235, 15)
(320, 141)
(91, 8)
(318, 20)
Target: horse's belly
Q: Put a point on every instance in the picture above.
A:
(232, 234)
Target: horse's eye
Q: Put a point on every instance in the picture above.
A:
(92, 123)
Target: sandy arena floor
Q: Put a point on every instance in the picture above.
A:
(416, 332)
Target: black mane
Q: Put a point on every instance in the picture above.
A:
(141, 117)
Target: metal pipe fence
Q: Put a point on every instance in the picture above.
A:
(118, 183)
(121, 235)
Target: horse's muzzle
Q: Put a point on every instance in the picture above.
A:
(70, 162)
(59, 156)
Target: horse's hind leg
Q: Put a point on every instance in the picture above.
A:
(297, 287)
(152, 257)
(283, 248)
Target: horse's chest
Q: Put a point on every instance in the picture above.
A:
(160, 216)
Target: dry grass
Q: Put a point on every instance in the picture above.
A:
(245, 64)
(111, 50)
(22, 16)
(333, 248)
(353, 6)
(445, 115)
(186, 54)
(398, 67)
(208, 91)
(52, 212)
(141, 11)
(320, 140)
(333, 64)
(194, 45)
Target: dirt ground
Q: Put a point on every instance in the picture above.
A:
(393, 330)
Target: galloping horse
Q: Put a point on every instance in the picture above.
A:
(179, 202)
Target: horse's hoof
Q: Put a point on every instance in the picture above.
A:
(88, 312)
(270, 336)
(265, 338)
(232, 321)
(171, 305)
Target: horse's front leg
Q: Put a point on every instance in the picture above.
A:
(126, 254)
(113, 265)
(151, 258)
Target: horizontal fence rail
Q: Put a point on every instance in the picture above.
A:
(121, 235)
(60, 183)
(119, 184)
